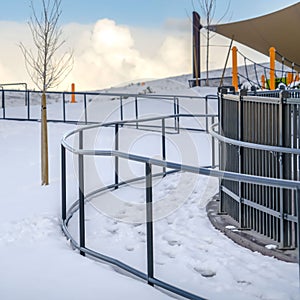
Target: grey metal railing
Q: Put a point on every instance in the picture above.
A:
(259, 135)
(81, 153)
(63, 112)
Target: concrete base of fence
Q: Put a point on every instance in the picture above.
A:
(246, 238)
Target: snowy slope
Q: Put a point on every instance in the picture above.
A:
(38, 263)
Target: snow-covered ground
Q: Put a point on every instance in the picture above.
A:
(37, 262)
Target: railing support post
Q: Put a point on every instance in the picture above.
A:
(64, 107)
(206, 113)
(149, 220)
(81, 196)
(63, 184)
(116, 157)
(121, 109)
(298, 229)
(85, 109)
(163, 141)
(136, 112)
(27, 103)
(3, 103)
(213, 150)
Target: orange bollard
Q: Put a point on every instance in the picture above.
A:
(73, 91)
(290, 78)
(235, 80)
(272, 68)
(263, 81)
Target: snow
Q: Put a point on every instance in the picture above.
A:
(37, 262)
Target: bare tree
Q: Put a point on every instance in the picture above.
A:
(208, 10)
(46, 67)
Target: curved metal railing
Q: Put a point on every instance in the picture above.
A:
(80, 152)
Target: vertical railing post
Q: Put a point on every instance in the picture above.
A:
(163, 141)
(298, 229)
(64, 107)
(286, 166)
(175, 113)
(3, 103)
(213, 158)
(177, 119)
(63, 184)
(240, 160)
(149, 220)
(27, 103)
(116, 157)
(81, 196)
(280, 161)
(136, 111)
(206, 113)
(178, 112)
(121, 109)
(85, 108)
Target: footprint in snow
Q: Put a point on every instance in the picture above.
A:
(129, 248)
(244, 282)
(205, 272)
(170, 254)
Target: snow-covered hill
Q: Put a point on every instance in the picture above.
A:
(37, 262)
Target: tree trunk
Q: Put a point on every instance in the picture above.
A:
(44, 142)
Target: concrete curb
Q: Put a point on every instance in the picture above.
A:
(247, 238)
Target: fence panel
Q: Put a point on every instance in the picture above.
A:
(269, 120)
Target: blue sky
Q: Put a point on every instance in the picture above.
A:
(122, 40)
(150, 13)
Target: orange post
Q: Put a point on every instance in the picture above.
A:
(73, 91)
(290, 78)
(272, 68)
(235, 81)
(263, 81)
(297, 77)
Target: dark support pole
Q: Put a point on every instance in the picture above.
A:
(136, 112)
(3, 103)
(149, 219)
(64, 107)
(175, 113)
(177, 106)
(63, 184)
(213, 150)
(121, 108)
(298, 229)
(116, 157)
(206, 112)
(85, 109)
(27, 103)
(163, 141)
(81, 195)
(196, 48)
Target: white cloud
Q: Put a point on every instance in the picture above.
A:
(108, 54)
(112, 55)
